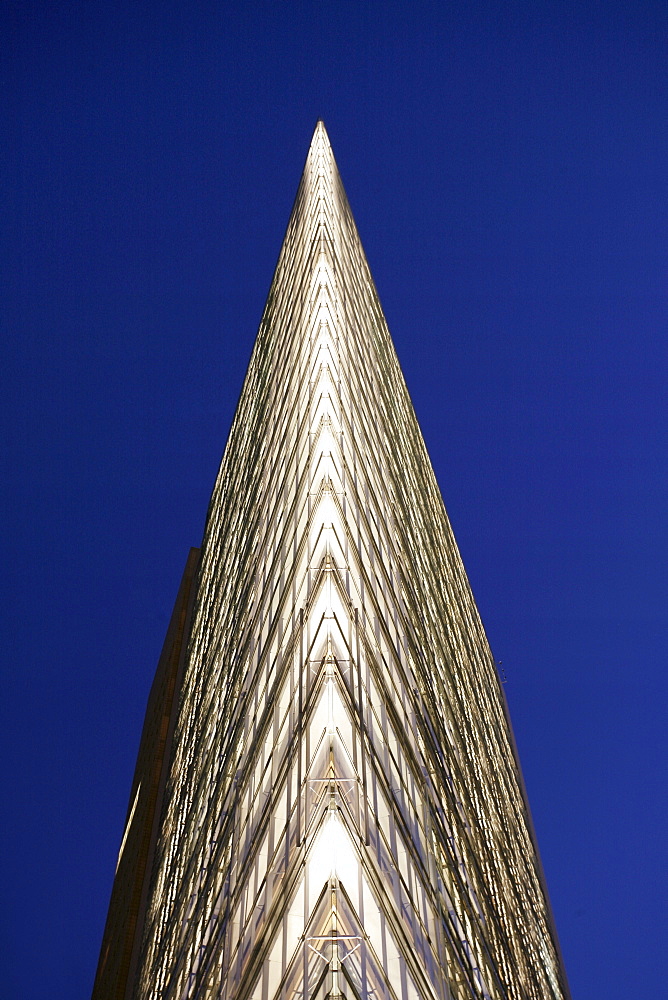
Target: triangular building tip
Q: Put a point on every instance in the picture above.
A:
(338, 811)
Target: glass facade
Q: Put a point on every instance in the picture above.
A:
(344, 813)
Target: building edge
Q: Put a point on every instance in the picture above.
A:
(552, 924)
(121, 941)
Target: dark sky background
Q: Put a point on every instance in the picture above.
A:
(507, 166)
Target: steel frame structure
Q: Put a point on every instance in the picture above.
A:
(344, 813)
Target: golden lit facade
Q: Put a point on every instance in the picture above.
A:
(344, 813)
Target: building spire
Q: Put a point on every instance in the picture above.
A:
(343, 814)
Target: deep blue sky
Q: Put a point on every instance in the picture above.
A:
(507, 167)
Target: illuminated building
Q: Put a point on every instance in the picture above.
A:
(342, 813)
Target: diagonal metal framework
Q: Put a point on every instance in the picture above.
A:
(344, 813)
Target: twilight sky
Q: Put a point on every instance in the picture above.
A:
(506, 164)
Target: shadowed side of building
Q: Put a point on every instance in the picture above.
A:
(125, 919)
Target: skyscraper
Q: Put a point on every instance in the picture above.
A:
(327, 801)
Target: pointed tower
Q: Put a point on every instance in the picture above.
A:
(343, 814)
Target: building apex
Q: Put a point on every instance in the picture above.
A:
(320, 149)
(320, 132)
